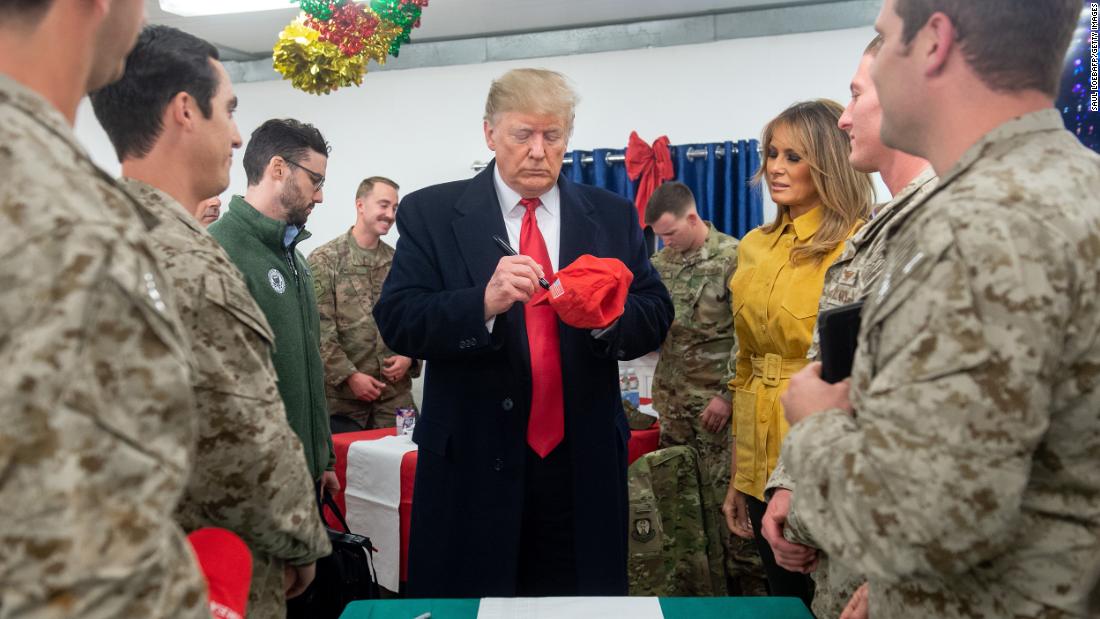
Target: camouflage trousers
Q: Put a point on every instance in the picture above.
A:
(266, 594)
(834, 586)
(373, 415)
(681, 425)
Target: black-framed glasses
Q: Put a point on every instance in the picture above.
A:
(318, 179)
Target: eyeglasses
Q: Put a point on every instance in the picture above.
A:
(318, 179)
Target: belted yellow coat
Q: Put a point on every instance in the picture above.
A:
(774, 306)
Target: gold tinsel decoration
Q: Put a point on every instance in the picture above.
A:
(315, 66)
(377, 46)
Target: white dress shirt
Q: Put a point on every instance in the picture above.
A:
(548, 216)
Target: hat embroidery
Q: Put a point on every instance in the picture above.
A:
(556, 289)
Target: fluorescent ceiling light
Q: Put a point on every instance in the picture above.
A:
(192, 8)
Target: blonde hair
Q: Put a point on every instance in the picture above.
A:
(368, 184)
(537, 91)
(846, 195)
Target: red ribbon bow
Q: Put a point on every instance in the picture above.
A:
(652, 164)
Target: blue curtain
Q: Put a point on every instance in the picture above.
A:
(722, 189)
(721, 185)
(610, 176)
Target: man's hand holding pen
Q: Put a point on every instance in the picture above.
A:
(508, 251)
(515, 280)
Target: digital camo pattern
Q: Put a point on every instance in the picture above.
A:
(859, 267)
(696, 363)
(965, 484)
(697, 355)
(347, 280)
(250, 474)
(848, 280)
(97, 422)
(675, 547)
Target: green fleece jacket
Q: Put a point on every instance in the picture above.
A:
(279, 279)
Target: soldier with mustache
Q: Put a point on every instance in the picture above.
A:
(364, 380)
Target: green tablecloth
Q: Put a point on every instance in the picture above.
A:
(673, 608)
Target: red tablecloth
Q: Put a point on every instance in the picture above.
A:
(641, 443)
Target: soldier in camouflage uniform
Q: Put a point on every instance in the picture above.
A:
(250, 472)
(697, 357)
(851, 278)
(959, 472)
(364, 380)
(97, 422)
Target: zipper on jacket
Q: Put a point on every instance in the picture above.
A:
(290, 261)
(308, 334)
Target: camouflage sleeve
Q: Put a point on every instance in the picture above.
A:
(779, 480)
(731, 374)
(1093, 609)
(91, 468)
(731, 363)
(813, 353)
(255, 480)
(928, 476)
(252, 477)
(338, 367)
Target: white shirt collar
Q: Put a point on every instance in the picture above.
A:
(509, 198)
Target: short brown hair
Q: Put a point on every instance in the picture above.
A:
(368, 184)
(674, 197)
(1012, 45)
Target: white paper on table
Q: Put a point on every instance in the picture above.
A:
(373, 495)
(570, 608)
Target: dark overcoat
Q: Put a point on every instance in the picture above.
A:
(468, 497)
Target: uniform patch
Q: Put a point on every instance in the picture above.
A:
(154, 294)
(277, 281)
(900, 262)
(848, 276)
(643, 530)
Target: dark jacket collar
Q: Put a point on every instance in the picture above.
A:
(481, 219)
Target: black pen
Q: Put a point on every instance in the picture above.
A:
(507, 249)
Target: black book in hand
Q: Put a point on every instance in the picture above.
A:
(838, 329)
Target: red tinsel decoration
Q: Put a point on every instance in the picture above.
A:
(348, 29)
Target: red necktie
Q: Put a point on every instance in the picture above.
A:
(546, 425)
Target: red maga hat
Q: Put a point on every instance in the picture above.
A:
(590, 293)
(226, 563)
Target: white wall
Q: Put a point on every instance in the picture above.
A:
(423, 126)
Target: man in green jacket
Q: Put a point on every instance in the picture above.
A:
(285, 162)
